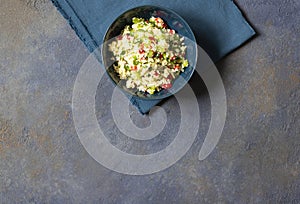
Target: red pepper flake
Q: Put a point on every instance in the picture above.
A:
(156, 73)
(143, 58)
(172, 32)
(134, 68)
(160, 56)
(166, 86)
(141, 51)
(164, 25)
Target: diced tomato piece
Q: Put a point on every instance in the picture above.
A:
(170, 77)
(151, 38)
(156, 73)
(166, 86)
(159, 20)
(134, 68)
(177, 66)
(120, 37)
(173, 58)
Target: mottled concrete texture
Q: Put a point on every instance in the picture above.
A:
(43, 161)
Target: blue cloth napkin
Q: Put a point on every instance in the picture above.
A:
(218, 25)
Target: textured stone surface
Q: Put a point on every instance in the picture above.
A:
(256, 161)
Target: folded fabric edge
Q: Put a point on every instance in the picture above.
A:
(252, 33)
(76, 24)
(142, 110)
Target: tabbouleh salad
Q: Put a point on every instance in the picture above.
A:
(149, 55)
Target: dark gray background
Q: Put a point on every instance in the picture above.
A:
(257, 159)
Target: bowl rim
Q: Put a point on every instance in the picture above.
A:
(169, 93)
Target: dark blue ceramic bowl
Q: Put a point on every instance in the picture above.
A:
(175, 22)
